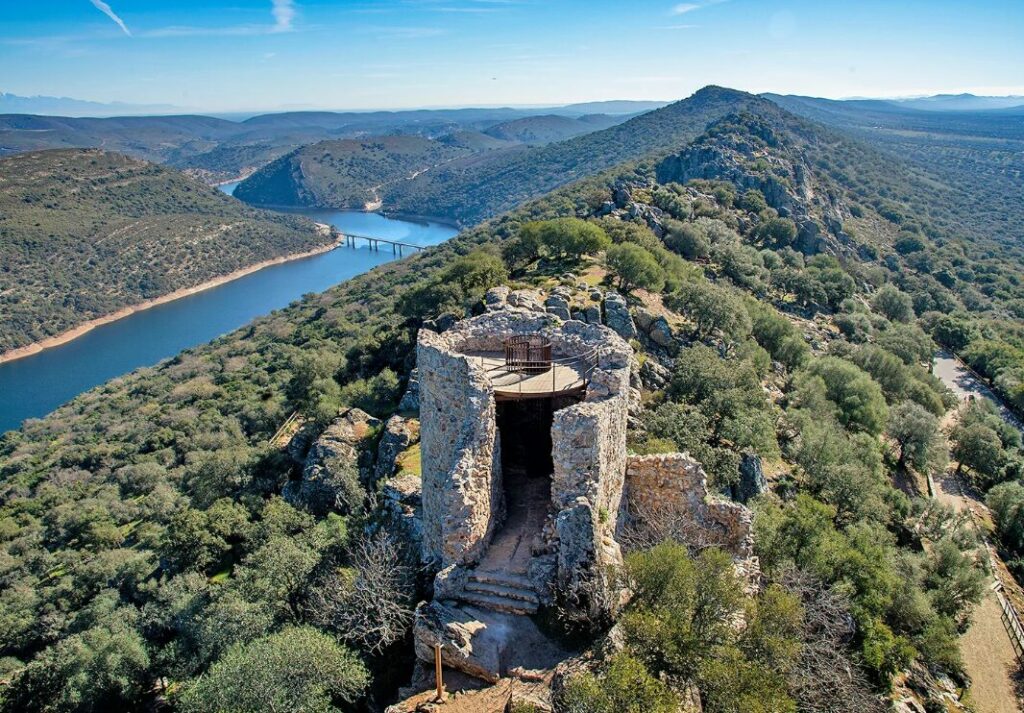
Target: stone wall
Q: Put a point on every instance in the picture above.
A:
(461, 465)
(461, 459)
(667, 495)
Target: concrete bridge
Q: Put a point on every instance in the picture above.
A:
(397, 246)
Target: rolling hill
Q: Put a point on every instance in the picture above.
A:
(219, 149)
(353, 173)
(85, 233)
(975, 157)
(475, 188)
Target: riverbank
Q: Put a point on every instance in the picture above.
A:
(86, 327)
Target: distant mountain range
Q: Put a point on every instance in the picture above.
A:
(66, 106)
(960, 102)
(939, 103)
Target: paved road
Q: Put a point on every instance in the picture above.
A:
(986, 649)
(965, 384)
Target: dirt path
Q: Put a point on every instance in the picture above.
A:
(986, 649)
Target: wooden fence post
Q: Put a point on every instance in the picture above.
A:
(437, 673)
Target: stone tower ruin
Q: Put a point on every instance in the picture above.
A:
(523, 437)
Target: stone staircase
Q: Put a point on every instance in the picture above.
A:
(501, 591)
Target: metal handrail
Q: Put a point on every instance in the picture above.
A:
(527, 353)
(588, 357)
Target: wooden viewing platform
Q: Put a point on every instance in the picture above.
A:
(397, 246)
(565, 376)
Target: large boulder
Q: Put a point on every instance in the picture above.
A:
(483, 643)
(616, 316)
(335, 464)
(299, 444)
(496, 298)
(752, 481)
(525, 299)
(653, 376)
(402, 509)
(411, 398)
(467, 644)
(557, 305)
(399, 434)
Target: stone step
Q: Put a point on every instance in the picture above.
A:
(495, 603)
(504, 579)
(501, 590)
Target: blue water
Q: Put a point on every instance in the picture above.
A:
(34, 386)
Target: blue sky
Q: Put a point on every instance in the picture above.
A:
(223, 55)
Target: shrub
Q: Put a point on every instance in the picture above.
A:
(625, 686)
(297, 669)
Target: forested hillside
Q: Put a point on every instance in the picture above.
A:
(222, 149)
(84, 233)
(352, 173)
(976, 157)
(479, 187)
(797, 280)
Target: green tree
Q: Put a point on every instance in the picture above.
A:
(1006, 501)
(893, 304)
(918, 436)
(978, 448)
(712, 309)
(478, 270)
(104, 668)
(857, 399)
(569, 238)
(688, 239)
(624, 686)
(298, 669)
(635, 267)
(777, 232)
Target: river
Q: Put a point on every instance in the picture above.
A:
(35, 385)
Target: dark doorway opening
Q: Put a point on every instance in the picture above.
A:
(524, 427)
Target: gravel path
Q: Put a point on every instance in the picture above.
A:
(987, 652)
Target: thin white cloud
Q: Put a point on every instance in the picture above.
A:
(678, 27)
(685, 7)
(109, 12)
(284, 15)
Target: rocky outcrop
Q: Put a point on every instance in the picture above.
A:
(617, 317)
(402, 509)
(525, 299)
(729, 151)
(410, 402)
(480, 642)
(752, 481)
(399, 433)
(653, 376)
(336, 460)
(558, 305)
(496, 298)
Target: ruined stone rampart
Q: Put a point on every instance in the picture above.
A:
(667, 496)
